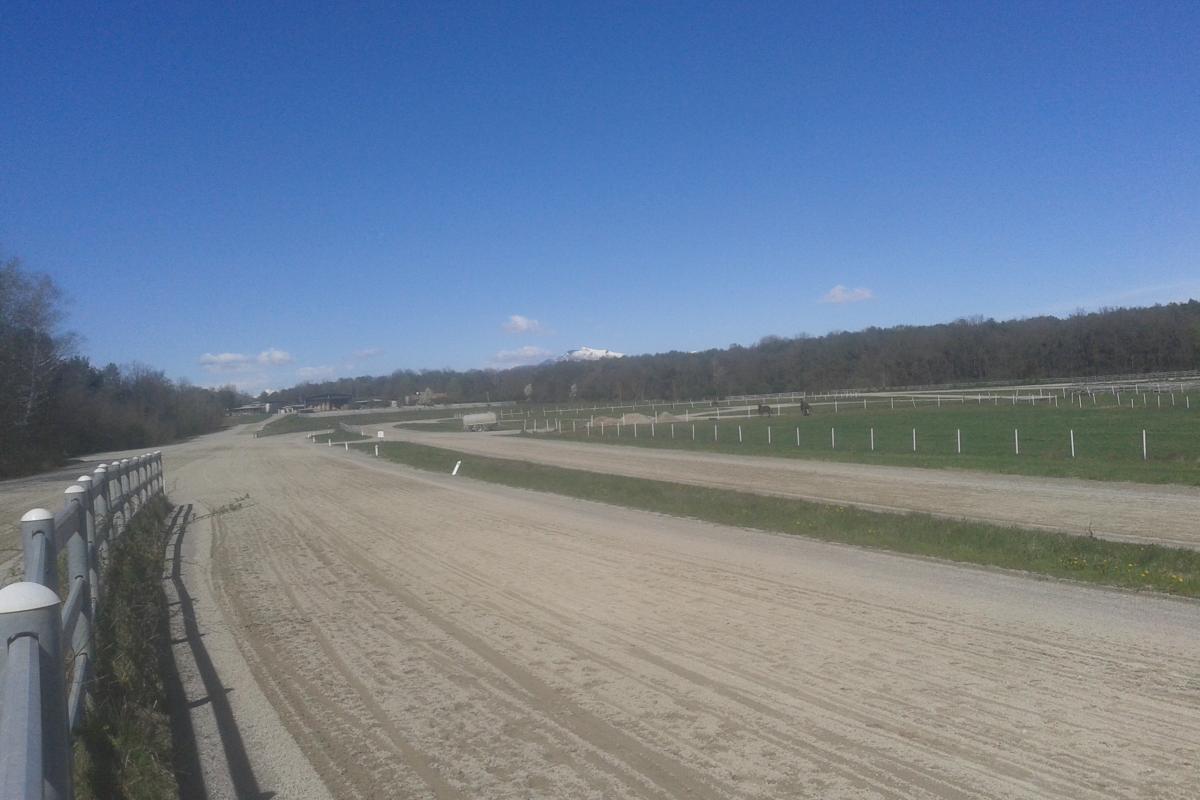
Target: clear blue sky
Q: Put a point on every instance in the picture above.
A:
(347, 189)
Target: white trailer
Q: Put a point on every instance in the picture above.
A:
(480, 422)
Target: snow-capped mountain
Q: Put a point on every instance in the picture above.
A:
(589, 354)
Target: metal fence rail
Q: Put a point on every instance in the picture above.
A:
(47, 646)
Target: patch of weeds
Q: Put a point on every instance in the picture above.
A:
(123, 749)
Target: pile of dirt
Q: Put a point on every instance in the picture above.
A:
(605, 421)
(636, 419)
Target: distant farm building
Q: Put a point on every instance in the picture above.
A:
(329, 402)
(250, 408)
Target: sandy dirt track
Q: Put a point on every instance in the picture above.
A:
(45, 490)
(1133, 512)
(422, 636)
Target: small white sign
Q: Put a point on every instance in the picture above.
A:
(457, 464)
(378, 434)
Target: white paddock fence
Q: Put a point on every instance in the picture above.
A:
(47, 647)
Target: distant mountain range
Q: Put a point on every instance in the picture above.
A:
(589, 354)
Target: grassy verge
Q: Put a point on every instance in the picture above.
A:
(1108, 439)
(1132, 566)
(243, 419)
(124, 747)
(342, 435)
(442, 426)
(295, 423)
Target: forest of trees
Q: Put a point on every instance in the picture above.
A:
(1108, 342)
(54, 404)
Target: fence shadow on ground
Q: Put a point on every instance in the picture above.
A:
(187, 758)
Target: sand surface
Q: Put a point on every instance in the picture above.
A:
(1163, 514)
(402, 634)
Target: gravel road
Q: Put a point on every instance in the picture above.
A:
(381, 632)
(1126, 511)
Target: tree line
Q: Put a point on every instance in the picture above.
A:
(1114, 341)
(54, 404)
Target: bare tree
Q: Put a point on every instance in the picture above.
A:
(31, 345)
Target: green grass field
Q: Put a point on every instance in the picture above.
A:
(1108, 439)
(441, 426)
(1099, 561)
(243, 419)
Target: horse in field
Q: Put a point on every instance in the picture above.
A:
(765, 410)
(805, 408)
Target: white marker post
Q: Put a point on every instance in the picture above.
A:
(958, 440)
(693, 431)
(872, 440)
(739, 434)
(457, 464)
(714, 433)
(914, 440)
(1145, 453)
(347, 447)
(797, 437)
(832, 439)
(1016, 442)
(1072, 444)
(377, 451)
(768, 434)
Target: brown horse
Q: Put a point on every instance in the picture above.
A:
(765, 410)
(805, 408)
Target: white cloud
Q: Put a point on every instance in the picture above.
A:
(522, 355)
(840, 294)
(240, 362)
(274, 357)
(226, 362)
(365, 353)
(519, 324)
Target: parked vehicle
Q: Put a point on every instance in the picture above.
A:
(480, 422)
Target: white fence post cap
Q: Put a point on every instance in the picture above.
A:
(37, 515)
(74, 488)
(87, 478)
(26, 596)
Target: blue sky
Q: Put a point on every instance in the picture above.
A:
(263, 193)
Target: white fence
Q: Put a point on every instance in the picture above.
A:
(47, 647)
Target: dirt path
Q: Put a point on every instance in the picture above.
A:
(426, 636)
(1133, 512)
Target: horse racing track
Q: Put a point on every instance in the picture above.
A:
(380, 632)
